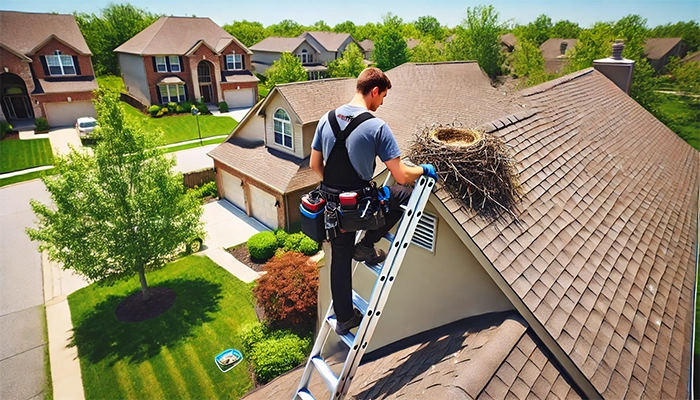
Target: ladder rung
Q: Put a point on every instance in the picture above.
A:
(348, 338)
(326, 373)
(376, 268)
(389, 236)
(304, 394)
(404, 207)
(359, 302)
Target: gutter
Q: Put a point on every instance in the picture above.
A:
(583, 383)
(695, 306)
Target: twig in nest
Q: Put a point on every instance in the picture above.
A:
(475, 167)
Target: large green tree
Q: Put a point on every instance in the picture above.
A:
(320, 26)
(689, 31)
(426, 51)
(527, 63)
(345, 27)
(369, 31)
(565, 29)
(285, 28)
(287, 69)
(536, 32)
(103, 33)
(120, 212)
(247, 32)
(390, 49)
(477, 38)
(428, 25)
(350, 64)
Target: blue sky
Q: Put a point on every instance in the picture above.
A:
(448, 12)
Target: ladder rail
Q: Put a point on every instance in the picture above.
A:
(339, 385)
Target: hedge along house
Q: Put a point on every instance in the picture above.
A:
(45, 69)
(176, 59)
(590, 295)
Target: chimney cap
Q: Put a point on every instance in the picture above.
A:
(617, 48)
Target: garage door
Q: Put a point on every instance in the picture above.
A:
(239, 98)
(65, 114)
(233, 191)
(263, 207)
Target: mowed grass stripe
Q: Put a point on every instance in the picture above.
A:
(16, 155)
(179, 387)
(124, 377)
(152, 388)
(197, 368)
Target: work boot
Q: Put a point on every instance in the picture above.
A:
(368, 254)
(342, 328)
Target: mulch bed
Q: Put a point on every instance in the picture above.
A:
(242, 255)
(135, 309)
(11, 136)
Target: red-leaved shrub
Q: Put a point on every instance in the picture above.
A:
(288, 292)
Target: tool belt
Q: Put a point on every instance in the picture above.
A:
(366, 212)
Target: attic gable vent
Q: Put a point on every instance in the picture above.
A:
(426, 231)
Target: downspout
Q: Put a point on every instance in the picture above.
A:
(285, 198)
(695, 305)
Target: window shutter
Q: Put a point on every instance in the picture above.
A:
(242, 61)
(76, 64)
(160, 99)
(185, 89)
(155, 67)
(425, 233)
(182, 65)
(44, 65)
(167, 64)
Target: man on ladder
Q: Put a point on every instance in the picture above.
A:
(344, 148)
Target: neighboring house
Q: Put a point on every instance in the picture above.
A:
(176, 59)
(45, 69)
(589, 295)
(658, 51)
(314, 49)
(554, 54)
(368, 47)
(508, 42)
(411, 43)
(693, 57)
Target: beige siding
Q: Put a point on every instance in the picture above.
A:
(254, 128)
(308, 137)
(297, 139)
(265, 58)
(431, 289)
(134, 76)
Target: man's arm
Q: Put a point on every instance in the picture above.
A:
(401, 172)
(316, 162)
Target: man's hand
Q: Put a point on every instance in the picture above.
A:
(429, 171)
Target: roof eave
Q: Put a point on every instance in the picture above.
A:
(197, 45)
(19, 55)
(574, 372)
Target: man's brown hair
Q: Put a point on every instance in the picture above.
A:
(371, 78)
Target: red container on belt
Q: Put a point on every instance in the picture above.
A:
(312, 204)
(348, 199)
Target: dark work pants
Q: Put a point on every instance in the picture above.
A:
(343, 246)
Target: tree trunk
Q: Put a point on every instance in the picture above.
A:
(142, 279)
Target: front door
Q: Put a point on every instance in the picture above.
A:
(204, 73)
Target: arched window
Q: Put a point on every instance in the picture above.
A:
(283, 128)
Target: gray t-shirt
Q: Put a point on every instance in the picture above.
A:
(371, 139)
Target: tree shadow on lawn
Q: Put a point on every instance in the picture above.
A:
(101, 336)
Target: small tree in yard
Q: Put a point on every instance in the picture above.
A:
(287, 69)
(119, 212)
(350, 64)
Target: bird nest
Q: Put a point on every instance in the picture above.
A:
(475, 167)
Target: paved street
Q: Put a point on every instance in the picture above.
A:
(21, 295)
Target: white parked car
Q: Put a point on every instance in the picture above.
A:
(85, 125)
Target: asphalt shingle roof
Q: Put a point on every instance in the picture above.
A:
(551, 48)
(657, 48)
(331, 41)
(176, 36)
(23, 32)
(276, 44)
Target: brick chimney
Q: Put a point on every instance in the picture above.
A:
(617, 69)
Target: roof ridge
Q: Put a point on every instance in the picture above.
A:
(507, 120)
(312, 81)
(543, 87)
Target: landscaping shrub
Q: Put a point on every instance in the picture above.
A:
(277, 354)
(184, 107)
(42, 125)
(153, 110)
(223, 107)
(300, 243)
(251, 335)
(206, 190)
(281, 236)
(262, 246)
(5, 128)
(162, 112)
(288, 292)
(172, 107)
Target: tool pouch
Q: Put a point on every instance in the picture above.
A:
(367, 215)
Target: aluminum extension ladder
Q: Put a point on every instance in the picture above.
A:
(371, 310)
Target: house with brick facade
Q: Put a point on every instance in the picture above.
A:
(45, 69)
(177, 59)
(589, 293)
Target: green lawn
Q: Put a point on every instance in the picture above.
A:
(193, 145)
(16, 155)
(684, 112)
(111, 82)
(170, 356)
(179, 128)
(262, 90)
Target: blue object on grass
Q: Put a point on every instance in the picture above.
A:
(230, 354)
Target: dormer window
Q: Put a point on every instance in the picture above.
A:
(60, 64)
(234, 62)
(160, 64)
(283, 128)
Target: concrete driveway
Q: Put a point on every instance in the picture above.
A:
(62, 139)
(21, 295)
